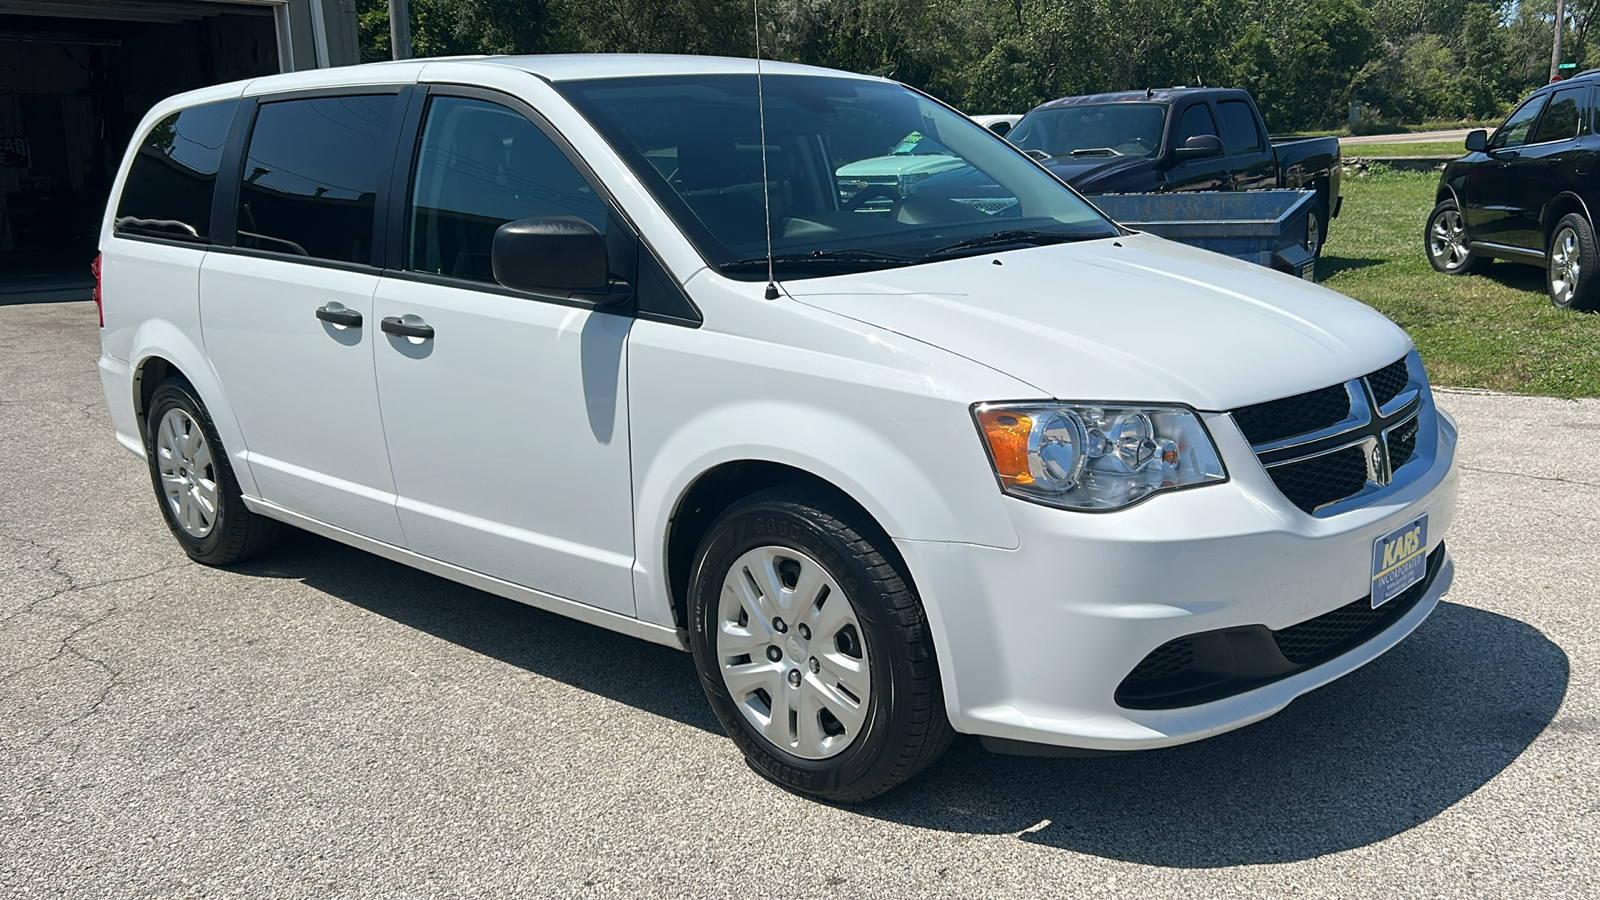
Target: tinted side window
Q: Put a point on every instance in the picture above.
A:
(174, 174)
(1239, 126)
(1560, 120)
(1514, 131)
(480, 166)
(1197, 120)
(311, 176)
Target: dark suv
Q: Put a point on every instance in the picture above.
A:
(1524, 194)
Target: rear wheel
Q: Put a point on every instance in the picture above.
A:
(813, 648)
(1445, 239)
(1570, 269)
(194, 482)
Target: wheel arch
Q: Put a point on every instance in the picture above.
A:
(1561, 205)
(719, 489)
(162, 350)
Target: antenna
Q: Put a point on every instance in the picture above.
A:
(766, 183)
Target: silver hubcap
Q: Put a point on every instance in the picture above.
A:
(1447, 241)
(1313, 234)
(791, 652)
(1565, 265)
(188, 474)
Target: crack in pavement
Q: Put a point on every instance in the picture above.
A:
(57, 568)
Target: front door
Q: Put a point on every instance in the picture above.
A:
(1488, 200)
(508, 423)
(287, 314)
(1196, 174)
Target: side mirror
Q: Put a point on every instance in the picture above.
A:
(1478, 141)
(551, 255)
(1001, 128)
(1201, 146)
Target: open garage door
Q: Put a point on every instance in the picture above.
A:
(76, 76)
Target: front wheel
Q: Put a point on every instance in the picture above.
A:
(813, 648)
(1570, 272)
(1445, 239)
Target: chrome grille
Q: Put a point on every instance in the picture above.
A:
(1338, 447)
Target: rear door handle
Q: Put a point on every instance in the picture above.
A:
(395, 325)
(338, 315)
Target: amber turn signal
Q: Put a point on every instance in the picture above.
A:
(1006, 433)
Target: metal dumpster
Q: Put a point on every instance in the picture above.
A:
(1266, 227)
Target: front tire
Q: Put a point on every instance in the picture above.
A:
(194, 483)
(1571, 276)
(813, 648)
(1445, 240)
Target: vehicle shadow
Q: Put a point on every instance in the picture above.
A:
(649, 677)
(1366, 758)
(1328, 266)
(1517, 277)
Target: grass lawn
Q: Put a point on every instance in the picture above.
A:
(1496, 330)
(1425, 148)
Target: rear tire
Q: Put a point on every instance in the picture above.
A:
(1572, 265)
(194, 483)
(1444, 239)
(799, 610)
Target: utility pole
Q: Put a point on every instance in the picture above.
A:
(400, 29)
(1555, 47)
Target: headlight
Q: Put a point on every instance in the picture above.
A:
(1091, 457)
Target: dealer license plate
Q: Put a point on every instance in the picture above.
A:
(1399, 560)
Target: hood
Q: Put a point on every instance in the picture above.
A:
(1105, 174)
(1135, 319)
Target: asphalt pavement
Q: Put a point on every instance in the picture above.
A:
(322, 723)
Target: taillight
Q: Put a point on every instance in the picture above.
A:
(95, 268)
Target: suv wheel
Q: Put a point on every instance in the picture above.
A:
(1570, 271)
(812, 646)
(194, 482)
(1446, 240)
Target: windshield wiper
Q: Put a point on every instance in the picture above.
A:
(1096, 151)
(819, 258)
(1008, 238)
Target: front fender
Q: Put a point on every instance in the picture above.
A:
(162, 339)
(906, 496)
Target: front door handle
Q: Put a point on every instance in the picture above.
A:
(395, 325)
(338, 315)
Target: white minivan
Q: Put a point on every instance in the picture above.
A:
(605, 336)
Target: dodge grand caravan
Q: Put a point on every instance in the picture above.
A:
(990, 464)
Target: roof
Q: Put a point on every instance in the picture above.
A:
(1151, 95)
(553, 67)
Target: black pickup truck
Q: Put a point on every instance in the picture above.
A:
(1178, 139)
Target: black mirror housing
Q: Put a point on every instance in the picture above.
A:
(551, 255)
(1201, 146)
(1478, 141)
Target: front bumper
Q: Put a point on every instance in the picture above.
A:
(1034, 641)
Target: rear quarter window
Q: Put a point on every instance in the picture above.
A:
(174, 175)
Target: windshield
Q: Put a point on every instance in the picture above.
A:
(1093, 129)
(860, 174)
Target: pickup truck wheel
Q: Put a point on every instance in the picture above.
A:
(194, 483)
(813, 648)
(1571, 272)
(1314, 232)
(1445, 239)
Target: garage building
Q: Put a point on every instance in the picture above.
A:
(76, 76)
